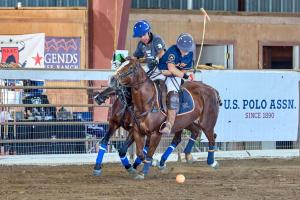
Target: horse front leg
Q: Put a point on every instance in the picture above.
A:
(175, 141)
(123, 151)
(154, 141)
(139, 142)
(195, 132)
(138, 161)
(102, 149)
(100, 97)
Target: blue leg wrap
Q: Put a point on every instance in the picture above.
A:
(145, 150)
(138, 161)
(210, 156)
(189, 146)
(166, 154)
(102, 150)
(125, 162)
(122, 154)
(147, 165)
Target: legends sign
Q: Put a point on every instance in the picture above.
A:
(62, 52)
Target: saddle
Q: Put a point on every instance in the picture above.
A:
(186, 101)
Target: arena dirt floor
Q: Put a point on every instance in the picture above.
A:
(235, 180)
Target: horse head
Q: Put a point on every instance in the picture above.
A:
(130, 73)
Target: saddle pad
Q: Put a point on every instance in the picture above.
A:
(186, 102)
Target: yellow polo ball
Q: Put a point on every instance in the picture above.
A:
(180, 178)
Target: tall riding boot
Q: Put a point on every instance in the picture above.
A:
(173, 105)
(169, 123)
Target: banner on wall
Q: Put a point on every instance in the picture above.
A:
(62, 52)
(257, 106)
(24, 50)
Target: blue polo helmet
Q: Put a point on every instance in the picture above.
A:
(140, 28)
(185, 42)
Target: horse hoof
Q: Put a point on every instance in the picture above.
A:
(131, 171)
(97, 172)
(189, 159)
(162, 168)
(155, 163)
(215, 165)
(139, 177)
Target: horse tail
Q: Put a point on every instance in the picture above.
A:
(219, 99)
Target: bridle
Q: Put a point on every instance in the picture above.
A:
(132, 70)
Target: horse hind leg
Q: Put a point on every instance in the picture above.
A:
(195, 132)
(175, 141)
(210, 135)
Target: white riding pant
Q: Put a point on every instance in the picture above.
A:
(173, 84)
(156, 75)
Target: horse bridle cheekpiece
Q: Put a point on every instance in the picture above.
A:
(132, 70)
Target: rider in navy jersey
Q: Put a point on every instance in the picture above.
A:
(174, 65)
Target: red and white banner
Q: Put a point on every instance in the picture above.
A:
(24, 50)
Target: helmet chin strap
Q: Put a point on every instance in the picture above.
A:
(183, 53)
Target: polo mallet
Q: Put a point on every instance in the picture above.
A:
(205, 15)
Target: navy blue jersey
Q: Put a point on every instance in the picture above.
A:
(173, 56)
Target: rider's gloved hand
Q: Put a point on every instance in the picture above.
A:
(152, 62)
(128, 58)
(189, 77)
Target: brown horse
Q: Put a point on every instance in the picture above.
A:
(121, 116)
(144, 96)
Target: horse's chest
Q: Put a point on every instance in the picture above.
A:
(151, 122)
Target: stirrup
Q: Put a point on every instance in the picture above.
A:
(162, 126)
(166, 126)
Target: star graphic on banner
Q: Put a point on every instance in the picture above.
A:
(37, 59)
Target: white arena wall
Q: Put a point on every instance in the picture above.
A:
(259, 116)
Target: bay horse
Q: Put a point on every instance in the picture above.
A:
(144, 95)
(121, 116)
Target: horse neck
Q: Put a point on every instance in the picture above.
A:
(144, 95)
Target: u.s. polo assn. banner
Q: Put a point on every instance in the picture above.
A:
(24, 50)
(257, 105)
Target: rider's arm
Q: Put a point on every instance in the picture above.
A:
(174, 71)
(178, 73)
(166, 72)
(160, 53)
